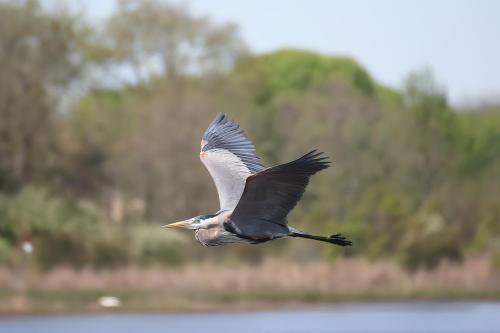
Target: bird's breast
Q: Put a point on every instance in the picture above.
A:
(208, 237)
(216, 236)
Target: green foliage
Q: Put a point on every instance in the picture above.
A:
(34, 210)
(412, 178)
(150, 247)
(54, 224)
(428, 240)
(6, 251)
(152, 30)
(39, 56)
(72, 233)
(287, 71)
(480, 141)
(422, 90)
(58, 248)
(283, 74)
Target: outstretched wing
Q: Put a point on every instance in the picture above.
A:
(230, 158)
(272, 193)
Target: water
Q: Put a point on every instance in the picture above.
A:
(376, 317)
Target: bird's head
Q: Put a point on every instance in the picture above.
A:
(198, 222)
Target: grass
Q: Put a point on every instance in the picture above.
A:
(271, 284)
(85, 301)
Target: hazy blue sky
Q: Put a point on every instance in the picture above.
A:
(460, 40)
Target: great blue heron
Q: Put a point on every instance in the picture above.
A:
(254, 200)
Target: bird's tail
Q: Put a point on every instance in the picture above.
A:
(337, 239)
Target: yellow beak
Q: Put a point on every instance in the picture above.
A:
(180, 224)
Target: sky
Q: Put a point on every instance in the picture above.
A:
(458, 39)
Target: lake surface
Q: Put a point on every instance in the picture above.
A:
(373, 317)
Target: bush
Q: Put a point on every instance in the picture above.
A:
(59, 229)
(55, 249)
(148, 246)
(6, 252)
(428, 242)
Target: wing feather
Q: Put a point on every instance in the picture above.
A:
(271, 194)
(225, 134)
(230, 158)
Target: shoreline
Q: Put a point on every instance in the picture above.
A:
(75, 302)
(271, 284)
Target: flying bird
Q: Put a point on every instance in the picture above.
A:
(254, 200)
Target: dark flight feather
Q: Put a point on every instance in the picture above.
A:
(272, 193)
(223, 133)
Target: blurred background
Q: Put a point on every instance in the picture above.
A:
(102, 108)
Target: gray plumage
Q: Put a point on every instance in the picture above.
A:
(223, 133)
(254, 201)
(272, 193)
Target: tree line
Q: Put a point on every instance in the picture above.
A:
(100, 129)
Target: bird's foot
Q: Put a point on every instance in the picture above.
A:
(339, 239)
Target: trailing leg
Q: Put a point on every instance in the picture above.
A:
(337, 239)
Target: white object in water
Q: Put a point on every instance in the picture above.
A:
(109, 302)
